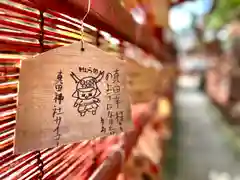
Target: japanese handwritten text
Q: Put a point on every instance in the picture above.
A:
(57, 107)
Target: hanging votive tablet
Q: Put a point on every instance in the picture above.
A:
(66, 95)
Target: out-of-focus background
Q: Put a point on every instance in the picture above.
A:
(183, 69)
(207, 102)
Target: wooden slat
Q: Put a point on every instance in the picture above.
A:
(110, 16)
(67, 161)
(5, 5)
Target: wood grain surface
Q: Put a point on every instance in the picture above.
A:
(35, 122)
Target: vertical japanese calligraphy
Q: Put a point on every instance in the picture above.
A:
(113, 91)
(57, 107)
(103, 128)
(70, 97)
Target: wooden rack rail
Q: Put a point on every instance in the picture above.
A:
(20, 33)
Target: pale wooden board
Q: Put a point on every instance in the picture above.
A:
(35, 124)
(143, 82)
(146, 83)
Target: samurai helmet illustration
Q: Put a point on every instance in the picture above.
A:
(87, 84)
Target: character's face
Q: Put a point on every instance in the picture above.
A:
(86, 89)
(85, 95)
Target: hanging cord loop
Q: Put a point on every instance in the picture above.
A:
(82, 27)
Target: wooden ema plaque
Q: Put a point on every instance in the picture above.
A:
(66, 95)
(142, 82)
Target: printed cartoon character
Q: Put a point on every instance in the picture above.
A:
(86, 93)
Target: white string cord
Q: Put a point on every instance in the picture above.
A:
(88, 10)
(82, 22)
